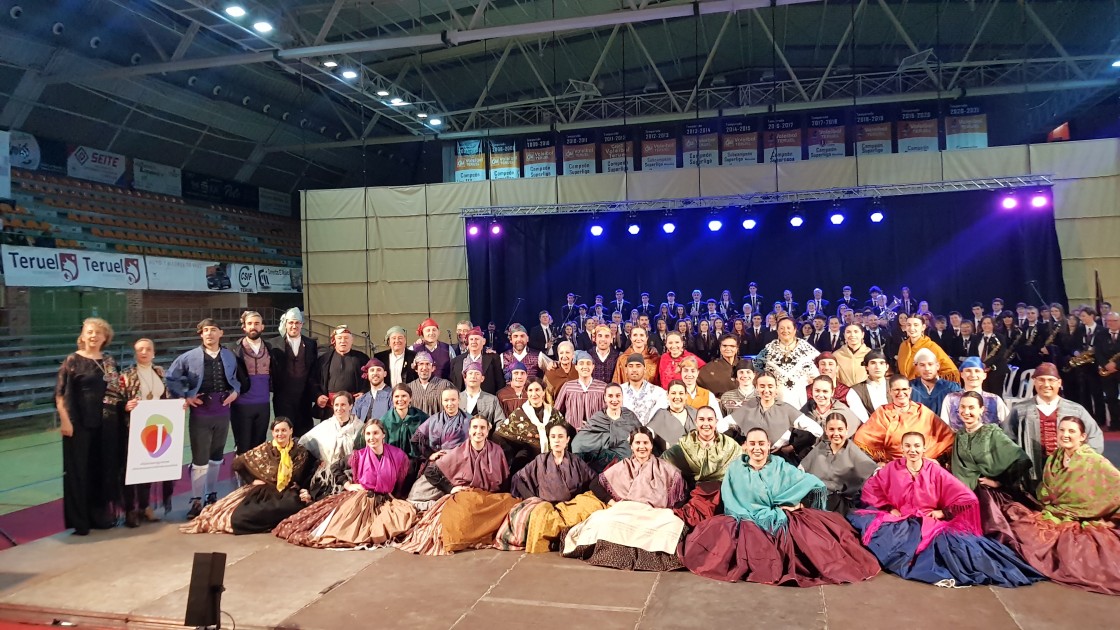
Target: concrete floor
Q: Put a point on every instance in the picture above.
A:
(139, 578)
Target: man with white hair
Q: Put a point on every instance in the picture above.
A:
(292, 372)
(929, 388)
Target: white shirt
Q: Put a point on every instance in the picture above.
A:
(878, 394)
(255, 345)
(294, 343)
(469, 400)
(396, 368)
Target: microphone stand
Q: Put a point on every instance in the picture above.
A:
(1034, 286)
(513, 314)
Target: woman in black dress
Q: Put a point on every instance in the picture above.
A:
(89, 398)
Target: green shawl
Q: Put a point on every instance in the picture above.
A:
(703, 464)
(987, 453)
(398, 431)
(1087, 489)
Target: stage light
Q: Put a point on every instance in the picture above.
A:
(262, 27)
(1116, 64)
(596, 229)
(435, 122)
(235, 11)
(383, 92)
(397, 101)
(749, 224)
(495, 228)
(633, 229)
(837, 218)
(715, 225)
(1009, 203)
(669, 227)
(422, 115)
(1039, 200)
(796, 219)
(330, 63)
(349, 74)
(876, 216)
(473, 230)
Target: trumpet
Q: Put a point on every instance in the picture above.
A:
(1103, 371)
(1085, 358)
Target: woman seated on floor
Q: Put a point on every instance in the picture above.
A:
(986, 460)
(274, 474)
(923, 524)
(436, 437)
(881, 436)
(331, 442)
(554, 492)
(669, 425)
(703, 457)
(524, 434)
(774, 529)
(841, 465)
(604, 438)
(470, 478)
(639, 530)
(401, 422)
(365, 514)
(1075, 538)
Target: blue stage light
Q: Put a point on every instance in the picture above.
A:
(749, 224)
(596, 229)
(669, 227)
(633, 229)
(715, 225)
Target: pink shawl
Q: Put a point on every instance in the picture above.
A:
(385, 474)
(934, 488)
(483, 470)
(654, 483)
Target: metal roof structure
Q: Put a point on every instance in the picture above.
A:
(188, 83)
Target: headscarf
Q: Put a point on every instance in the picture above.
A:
(424, 324)
(292, 314)
(284, 471)
(484, 470)
(391, 331)
(972, 362)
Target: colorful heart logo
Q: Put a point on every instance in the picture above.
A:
(156, 435)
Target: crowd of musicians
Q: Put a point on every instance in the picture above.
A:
(741, 440)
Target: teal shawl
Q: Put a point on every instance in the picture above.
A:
(757, 495)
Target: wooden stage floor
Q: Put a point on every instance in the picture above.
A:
(138, 579)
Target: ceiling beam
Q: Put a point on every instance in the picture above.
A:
(1045, 30)
(778, 51)
(489, 84)
(328, 22)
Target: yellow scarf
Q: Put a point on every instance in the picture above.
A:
(284, 473)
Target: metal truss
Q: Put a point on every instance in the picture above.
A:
(972, 77)
(747, 201)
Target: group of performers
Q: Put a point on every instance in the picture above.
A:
(800, 466)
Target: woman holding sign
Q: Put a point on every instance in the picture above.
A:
(143, 381)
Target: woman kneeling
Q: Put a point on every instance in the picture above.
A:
(470, 478)
(275, 476)
(775, 529)
(364, 514)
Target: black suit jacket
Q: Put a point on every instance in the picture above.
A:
(1105, 348)
(944, 339)
(567, 313)
(821, 308)
(407, 373)
(821, 341)
(584, 341)
(536, 339)
(849, 302)
(757, 303)
(755, 343)
(908, 305)
(493, 377)
(963, 349)
(649, 310)
(281, 353)
(625, 309)
(1082, 340)
(884, 339)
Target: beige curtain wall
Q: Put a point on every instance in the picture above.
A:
(377, 257)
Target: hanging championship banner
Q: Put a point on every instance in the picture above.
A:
(5, 165)
(539, 156)
(826, 137)
(701, 145)
(739, 143)
(659, 149)
(873, 132)
(470, 161)
(505, 161)
(156, 430)
(966, 127)
(157, 178)
(48, 267)
(916, 129)
(783, 138)
(617, 152)
(579, 153)
(96, 165)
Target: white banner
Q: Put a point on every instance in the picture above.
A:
(24, 151)
(155, 441)
(157, 178)
(179, 274)
(95, 165)
(279, 279)
(5, 166)
(46, 267)
(274, 202)
(244, 277)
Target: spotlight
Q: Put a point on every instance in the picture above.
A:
(715, 225)
(473, 230)
(796, 219)
(349, 74)
(596, 229)
(435, 122)
(876, 216)
(330, 63)
(1009, 203)
(262, 27)
(749, 224)
(633, 229)
(1116, 64)
(495, 228)
(422, 115)
(235, 11)
(1039, 200)
(398, 101)
(383, 92)
(669, 227)
(837, 218)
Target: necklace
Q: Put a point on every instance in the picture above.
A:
(145, 383)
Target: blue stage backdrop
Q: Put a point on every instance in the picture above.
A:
(950, 248)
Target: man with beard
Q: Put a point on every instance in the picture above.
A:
(638, 394)
(294, 362)
(916, 340)
(377, 402)
(519, 352)
(398, 358)
(426, 388)
(340, 370)
(250, 413)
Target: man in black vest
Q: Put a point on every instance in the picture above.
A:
(295, 356)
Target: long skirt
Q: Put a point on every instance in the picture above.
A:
(93, 474)
(217, 518)
(628, 535)
(814, 548)
(464, 520)
(950, 559)
(536, 525)
(250, 509)
(349, 520)
(1082, 555)
(514, 530)
(703, 503)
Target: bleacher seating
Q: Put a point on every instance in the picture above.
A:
(84, 215)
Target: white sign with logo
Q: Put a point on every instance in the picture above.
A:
(244, 277)
(155, 441)
(45, 267)
(95, 165)
(5, 166)
(157, 178)
(179, 274)
(24, 151)
(278, 280)
(274, 202)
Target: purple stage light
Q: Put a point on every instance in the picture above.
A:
(1009, 203)
(473, 230)
(495, 229)
(1039, 201)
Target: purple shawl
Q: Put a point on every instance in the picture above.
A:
(656, 483)
(554, 483)
(483, 470)
(385, 474)
(442, 433)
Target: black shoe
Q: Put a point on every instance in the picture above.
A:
(212, 498)
(196, 508)
(81, 532)
(132, 519)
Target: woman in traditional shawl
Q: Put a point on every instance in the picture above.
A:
(602, 441)
(823, 403)
(275, 476)
(471, 478)
(365, 514)
(841, 465)
(774, 529)
(524, 434)
(790, 361)
(331, 442)
(924, 525)
(1075, 538)
(401, 422)
(703, 457)
(671, 424)
(554, 488)
(445, 430)
(639, 530)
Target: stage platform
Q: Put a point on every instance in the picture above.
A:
(138, 579)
